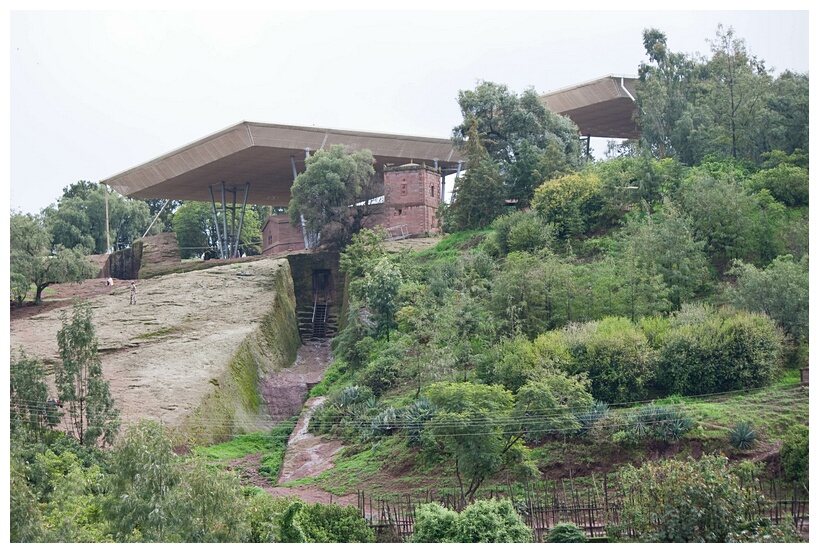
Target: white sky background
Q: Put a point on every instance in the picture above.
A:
(94, 93)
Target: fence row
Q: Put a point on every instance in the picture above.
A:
(594, 507)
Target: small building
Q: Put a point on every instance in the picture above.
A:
(412, 197)
(279, 236)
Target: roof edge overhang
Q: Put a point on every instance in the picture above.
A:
(247, 125)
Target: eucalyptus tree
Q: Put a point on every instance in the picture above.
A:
(89, 406)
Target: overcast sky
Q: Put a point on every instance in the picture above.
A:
(95, 93)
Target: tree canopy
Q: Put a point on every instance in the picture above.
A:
(335, 193)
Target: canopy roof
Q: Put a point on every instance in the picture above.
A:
(259, 154)
(602, 108)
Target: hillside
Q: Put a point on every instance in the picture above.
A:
(168, 354)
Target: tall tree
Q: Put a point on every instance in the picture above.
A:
(32, 260)
(336, 192)
(478, 196)
(664, 96)
(528, 142)
(736, 87)
(79, 218)
(92, 417)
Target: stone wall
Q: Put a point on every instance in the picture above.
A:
(412, 195)
(146, 255)
(279, 236)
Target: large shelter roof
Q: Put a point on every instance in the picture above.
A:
(260, 154)
(602, 107)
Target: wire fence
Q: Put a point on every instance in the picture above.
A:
(596, 507)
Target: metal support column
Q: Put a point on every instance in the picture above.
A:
(215, 218)
(588, 146)
(223, 246)
(241, 221)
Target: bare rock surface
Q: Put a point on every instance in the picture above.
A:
(161, 355)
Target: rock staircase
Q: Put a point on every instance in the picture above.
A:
(318, 323)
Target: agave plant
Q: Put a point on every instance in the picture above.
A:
(743, 436)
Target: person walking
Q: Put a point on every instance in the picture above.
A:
(133, 293)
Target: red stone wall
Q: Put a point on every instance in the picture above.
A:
(278, 236)
(412, 194)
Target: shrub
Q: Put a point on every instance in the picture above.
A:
(491, 521)
(434, 523)
(334, 524)
(521, 231)
(566, 532)
(787, 184)
(742, 436)
(794, 453)
(571, 203)
(730, 350)
(616, 356)
(666, 423)
(685, 501)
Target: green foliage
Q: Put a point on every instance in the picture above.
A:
(469, 424)
(721, 215)
(79, 219)
(32, 260)
(25, 520)
(794, 453)
(663, 244)
(195, 229)
(521, 231)
(335, 193)
(780, 291)
(477, 197)
(728, 350)
(92, 417)
(742, 436)
(363, 251)
(686, 501)
(491, 521)
(144, 472)
(566, 532)
(615, 355)
(207, 505)
(548, 405)
(379, 290)
(787, 184)
(665, 423)
(523, 137)
(485, 521)
(31, 409)
(571, 203)
(529, 294)
(434, 523)
(334, 524)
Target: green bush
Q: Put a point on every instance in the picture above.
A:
(521, 231)
(571, 203)
(492, 521)
(666, 423)
(616, 356)
(787, 184)
(730, 350)
(685, 501)
(566, 532)
(485, 521)
(334, 524)
(434, 523)
(794, 453)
